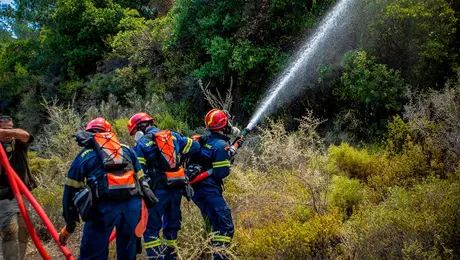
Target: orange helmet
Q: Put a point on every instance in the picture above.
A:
(99, 124)
(135, 120)
(216, 119)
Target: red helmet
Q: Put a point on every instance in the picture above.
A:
(135, 120)
(99, 124)
(216, 119)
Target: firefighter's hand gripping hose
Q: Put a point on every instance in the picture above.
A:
(18, 186)
(238, 142)
(64, 236)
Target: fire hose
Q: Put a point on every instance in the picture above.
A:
(18, 186)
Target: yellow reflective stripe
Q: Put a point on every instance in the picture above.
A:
(86, 152)
(212, 116)
(74, 183)
(224, 239)
(171, 243)
(152, 244)
(142, 160)
(224, 163)
(220, 165)
(140, 174)
(149, 143)
(187, 146)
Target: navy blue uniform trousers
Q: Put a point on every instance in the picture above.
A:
(164, 215)
(122, 215)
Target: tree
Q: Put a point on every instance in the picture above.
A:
(373, 90)
(414, 36)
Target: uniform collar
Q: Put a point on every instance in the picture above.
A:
(152, 130)
(220, 136)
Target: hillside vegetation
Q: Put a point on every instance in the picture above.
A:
(364, 164)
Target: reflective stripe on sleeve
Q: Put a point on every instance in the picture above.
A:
(220, 164)
(142, 160)
(187, 146)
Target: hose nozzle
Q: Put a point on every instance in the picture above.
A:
(240, 136)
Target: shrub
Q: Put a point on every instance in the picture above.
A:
(284, 151)
(382, 169)
(354, 163)
(288, 238)
(422, 221)
(435, 118)
(346, 194)
(371, 92)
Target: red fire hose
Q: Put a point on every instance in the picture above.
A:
(113, 235)
(17, 185)
(41, 213)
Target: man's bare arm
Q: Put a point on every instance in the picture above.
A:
(16, 133)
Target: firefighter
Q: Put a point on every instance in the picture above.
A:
(214, 164)
(161, 153)
(104, 187)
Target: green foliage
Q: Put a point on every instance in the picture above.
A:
(247, 57)
(140, 40)
(346, 194)
(373, 90)
(290, 239)
(167, 121)
(418, 223)
(220, 50)
(365, 81)
(350, 161)
(416, 36)
(18, 53)
(383, 169)
(78, 33)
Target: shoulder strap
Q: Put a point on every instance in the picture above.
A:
(109, 150)
(165, 143)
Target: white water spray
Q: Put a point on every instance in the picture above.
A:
(329, 29)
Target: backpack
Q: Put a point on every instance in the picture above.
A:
(169, 161)
(119, 182)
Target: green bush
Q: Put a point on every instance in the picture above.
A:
(346, 194)
(352, 162)
(415, 36)
(418, 223)
(372, 91)
(287, 238)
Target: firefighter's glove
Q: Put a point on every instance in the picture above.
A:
(234, 148)
(193, 170)
(188, 192)
(149, 197)
(64, 236)
(240, 141)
